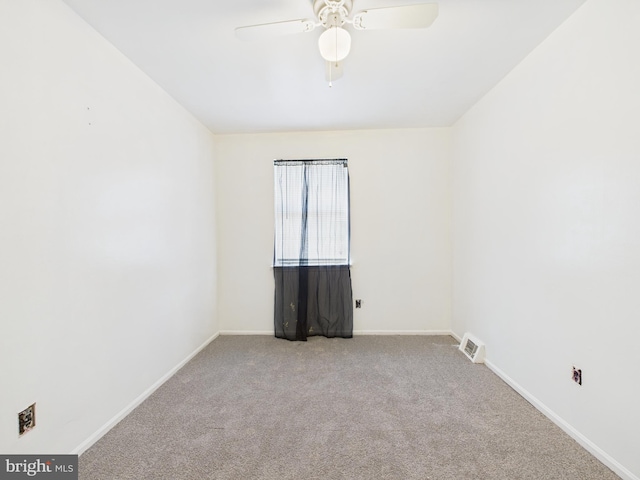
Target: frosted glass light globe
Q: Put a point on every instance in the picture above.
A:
(334, 44)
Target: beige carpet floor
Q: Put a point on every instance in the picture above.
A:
(371, 407)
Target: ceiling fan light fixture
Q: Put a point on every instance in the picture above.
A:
(334, 44)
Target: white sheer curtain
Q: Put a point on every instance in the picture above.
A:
(312, 212)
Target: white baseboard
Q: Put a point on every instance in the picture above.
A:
(355, 332)
(84, 446)
(456, 336)
(401, 332)
(572, 432)
(246, 332)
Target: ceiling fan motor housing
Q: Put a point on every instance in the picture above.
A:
(332, 13)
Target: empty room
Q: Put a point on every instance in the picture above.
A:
(318, 239)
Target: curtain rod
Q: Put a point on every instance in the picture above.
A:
(321, 161)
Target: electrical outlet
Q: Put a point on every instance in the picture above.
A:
(26, 419)
(577, 375)
(358, 303)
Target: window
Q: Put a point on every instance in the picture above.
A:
(311, 251)
(312, 213)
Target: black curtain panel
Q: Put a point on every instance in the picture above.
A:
(311, 254)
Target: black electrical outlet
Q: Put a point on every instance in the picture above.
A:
(26, 419)
(358, 303)
(577, 375)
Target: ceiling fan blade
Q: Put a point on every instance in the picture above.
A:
(409, 16)
(269, 30)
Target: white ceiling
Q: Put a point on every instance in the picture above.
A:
(393, 78)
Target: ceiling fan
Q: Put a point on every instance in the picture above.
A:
(335, 42)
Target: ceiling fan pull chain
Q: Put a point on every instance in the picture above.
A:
(330, 83)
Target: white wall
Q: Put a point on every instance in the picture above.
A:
(108, 245)
(107, 239)
(547, 227)
(400, 225)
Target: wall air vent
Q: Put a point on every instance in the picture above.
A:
(472, 348)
